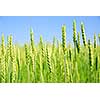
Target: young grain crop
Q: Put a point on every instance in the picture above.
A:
(45, 62)
(90, 61)
(83, 34)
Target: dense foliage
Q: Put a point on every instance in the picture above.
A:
(56, 62)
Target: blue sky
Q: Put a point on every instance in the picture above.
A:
(47, 26)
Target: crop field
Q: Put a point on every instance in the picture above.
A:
(56, 62)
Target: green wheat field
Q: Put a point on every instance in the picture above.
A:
(56, 62)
